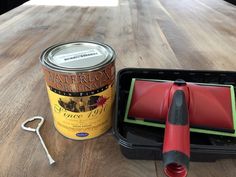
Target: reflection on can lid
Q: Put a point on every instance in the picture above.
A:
(77, 56)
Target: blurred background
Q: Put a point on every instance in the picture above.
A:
(6, 5)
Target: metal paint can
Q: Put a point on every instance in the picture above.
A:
(80, 81)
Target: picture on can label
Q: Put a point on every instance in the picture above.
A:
(83, 104)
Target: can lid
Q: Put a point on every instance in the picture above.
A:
(77, 56)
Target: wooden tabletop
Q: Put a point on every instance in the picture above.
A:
(186, 34)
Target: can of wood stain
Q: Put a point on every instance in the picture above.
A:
(80, 80)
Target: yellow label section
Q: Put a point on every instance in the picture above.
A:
(83, 117)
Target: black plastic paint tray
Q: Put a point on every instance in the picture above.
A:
(141, 142)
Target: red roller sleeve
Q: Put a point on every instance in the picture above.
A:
(209, 106)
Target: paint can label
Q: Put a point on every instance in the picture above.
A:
(81, 103)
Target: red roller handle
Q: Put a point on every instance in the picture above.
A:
(176, 147)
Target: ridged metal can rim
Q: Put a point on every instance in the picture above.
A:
(99, 54)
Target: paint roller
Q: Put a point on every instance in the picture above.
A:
(209, 108)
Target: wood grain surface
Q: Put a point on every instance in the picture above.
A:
(187, 34)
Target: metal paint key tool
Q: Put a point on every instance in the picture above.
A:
(50, 159)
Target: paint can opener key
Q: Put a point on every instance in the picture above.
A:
(50, 159)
